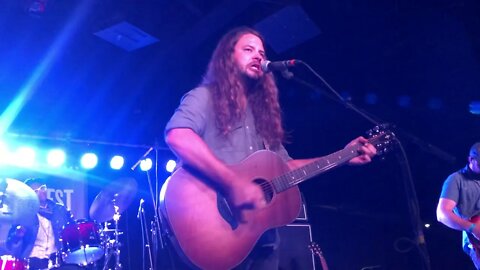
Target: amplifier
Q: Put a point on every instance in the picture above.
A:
(302, 216)
(293, 250)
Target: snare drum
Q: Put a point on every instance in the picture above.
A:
(81, 242)
(8, 262)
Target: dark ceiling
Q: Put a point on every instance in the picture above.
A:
(418, 60)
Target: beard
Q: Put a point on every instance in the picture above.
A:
(249, 76)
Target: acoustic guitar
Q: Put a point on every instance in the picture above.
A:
(206, 234)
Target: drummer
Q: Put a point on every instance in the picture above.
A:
(40, 241)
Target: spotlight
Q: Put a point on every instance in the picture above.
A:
(146, 164)
(371, 98)
(171, 164)
(56, 157)
(434, 103)
(475, 107)
(36, 7)
(404, 101)
(3, 153)
(89, 161)
(24, 157)
(117, 162)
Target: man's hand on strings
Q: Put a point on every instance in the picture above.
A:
(367, 151)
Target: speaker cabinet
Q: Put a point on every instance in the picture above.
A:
(293, 249)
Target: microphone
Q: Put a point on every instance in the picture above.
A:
(140, 208)
(268, 66)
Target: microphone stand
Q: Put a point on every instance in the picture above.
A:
(145, 237)
(156, 224)
(412, 198)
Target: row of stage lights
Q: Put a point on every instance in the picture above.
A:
(26, 157)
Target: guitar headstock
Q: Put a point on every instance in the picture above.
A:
(382, 138)
(315, 248)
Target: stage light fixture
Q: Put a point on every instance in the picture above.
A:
(404, 101)
(4, 153)
(435, 103)
(117, 162)
(56, 157)
(146, 164)
(89, 160)
(371, 98)
(170, 166)
(24, 157)
(36, 7)
(474, 107)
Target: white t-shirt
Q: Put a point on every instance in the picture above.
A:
(45, 242)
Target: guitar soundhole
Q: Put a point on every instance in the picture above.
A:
(266, 188)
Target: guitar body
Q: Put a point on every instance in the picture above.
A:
(474, 241)
(205, 232)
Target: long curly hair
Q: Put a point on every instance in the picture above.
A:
(224, 81)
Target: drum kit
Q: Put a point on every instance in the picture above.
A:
(85, 242)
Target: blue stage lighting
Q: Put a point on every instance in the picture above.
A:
(404, 101)
(435, 103)
(89, 161)
(25, 157)
(371, 98)
(56, 157)
(171, 164)
(117, 162)
(4, 153)
(475, 107)
(146, 164)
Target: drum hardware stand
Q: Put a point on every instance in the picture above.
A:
(55, 263)
(113, 247)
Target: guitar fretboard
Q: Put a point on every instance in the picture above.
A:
(321, 165)
(295, 177)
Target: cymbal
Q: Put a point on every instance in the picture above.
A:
(119, 193)
(18, 203)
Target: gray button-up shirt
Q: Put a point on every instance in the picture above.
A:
(197, 113)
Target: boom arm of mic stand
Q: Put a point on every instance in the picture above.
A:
(434, 150)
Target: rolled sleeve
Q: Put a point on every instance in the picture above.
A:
(450, 189)
(192, 111)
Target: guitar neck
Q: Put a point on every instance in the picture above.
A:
(321, 165)
(315, 249)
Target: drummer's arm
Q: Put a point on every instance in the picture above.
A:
(62, 213)
(69, 215)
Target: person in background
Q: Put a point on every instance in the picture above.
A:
(40, 241)
(458, 206)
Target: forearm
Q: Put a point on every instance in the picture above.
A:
(194, 152)
(456, 223)
(451, 220)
